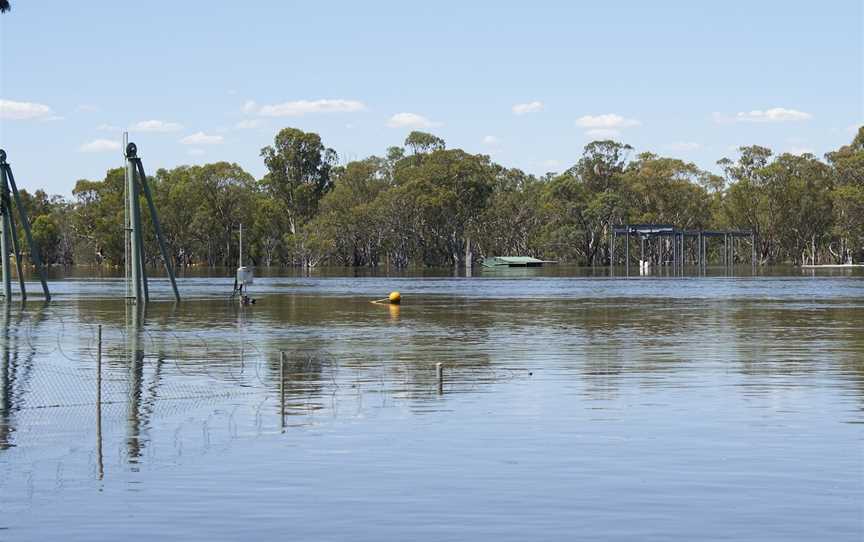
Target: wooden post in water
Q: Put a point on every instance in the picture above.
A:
(439, 374)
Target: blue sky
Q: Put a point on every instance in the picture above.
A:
(529, 83)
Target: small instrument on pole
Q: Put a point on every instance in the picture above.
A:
(243, 278)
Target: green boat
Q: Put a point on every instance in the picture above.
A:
(514, 261)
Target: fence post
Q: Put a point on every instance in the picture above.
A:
(282, 388)
(100, 464)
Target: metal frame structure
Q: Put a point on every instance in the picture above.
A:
(137, 271)
(9, 242)
(679, 249)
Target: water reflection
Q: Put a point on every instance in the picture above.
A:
(7, 377)
(539, 371)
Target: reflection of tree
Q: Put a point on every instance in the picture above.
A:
(786, 338)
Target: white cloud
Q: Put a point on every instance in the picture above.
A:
(491, 141)
(250, 106)
(12, 110)
(530, 107)
(108, 128)
(156, 126)
(100, 145)
(410, 120)
(684, 146)
(552, 164)
(196, 152)
(302, 107)
(200, 138)
(607, 121)
(602, 133)
(249, 124)
(776, 114)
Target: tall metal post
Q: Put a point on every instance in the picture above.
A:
(612, 236)
(99, 464)
(5, 228)
(8, 180)
(16, 250)
(282, 388)
(753, 243)
(134, 223)
(157, 226)
(641, 251)
(674, 263)
(627, 252)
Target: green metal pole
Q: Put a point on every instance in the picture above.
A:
(145, 287)
(35, 255)
(4, 247)
(134, 222)
(16, 250)
(158, 227)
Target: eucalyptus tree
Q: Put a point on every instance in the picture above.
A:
(299, 168)
(848, 197)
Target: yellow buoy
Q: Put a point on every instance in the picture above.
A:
(395, 298)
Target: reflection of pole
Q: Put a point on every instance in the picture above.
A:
(99, 463)
(136, 374)
(6, 380)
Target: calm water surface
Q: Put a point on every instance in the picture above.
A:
(573, 407)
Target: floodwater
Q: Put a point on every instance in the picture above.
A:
(573, 406)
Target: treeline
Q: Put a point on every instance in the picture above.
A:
(424, 204)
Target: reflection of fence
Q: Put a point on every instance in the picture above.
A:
(77, 407)
(91, 402)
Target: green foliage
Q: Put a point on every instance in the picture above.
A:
(439, 206)
(299, 173)
(422, 142)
